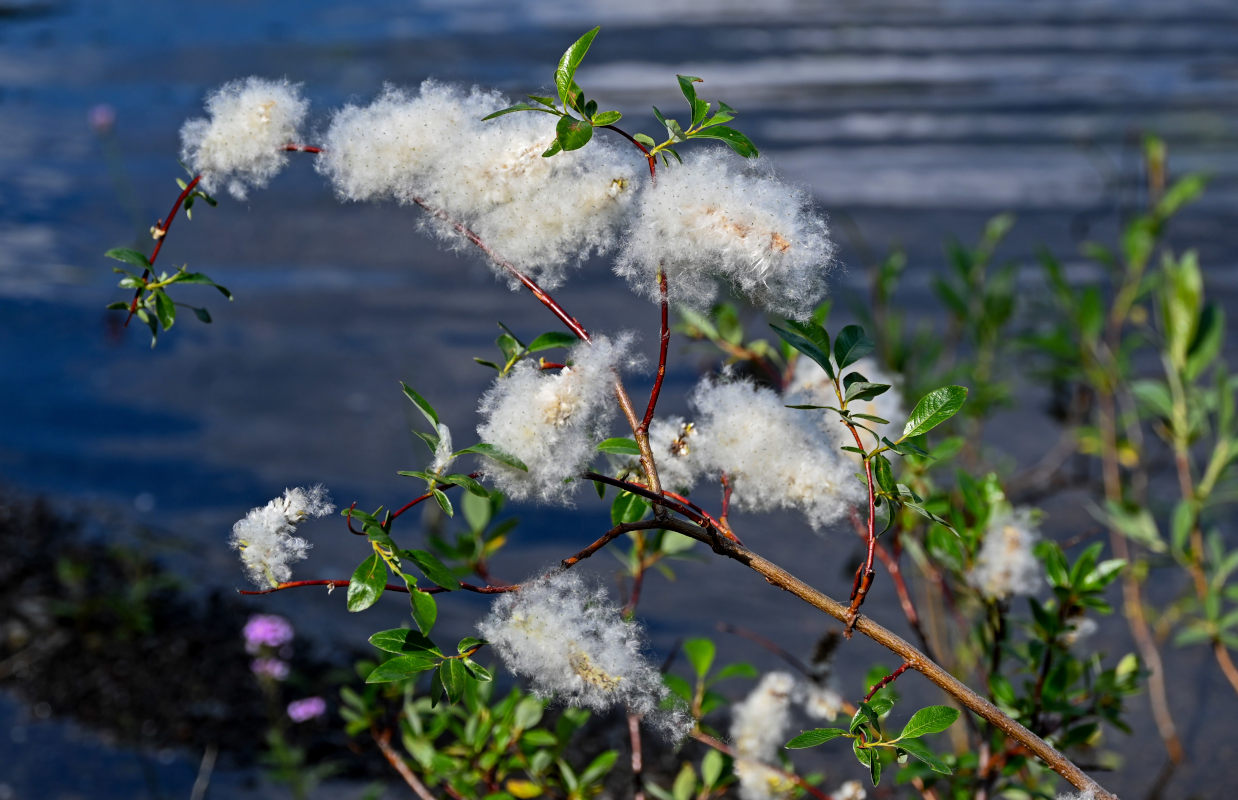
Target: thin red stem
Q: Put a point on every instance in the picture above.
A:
(424, 497)
(864, 575)
(675, 502)
(653, 160)
(161, 233)
(302, 148)
(886, 681)
(664, 344)
(567, 319)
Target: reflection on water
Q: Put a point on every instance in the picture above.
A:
(911, 121)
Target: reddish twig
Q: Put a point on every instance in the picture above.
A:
(638, 789)
(664, 344)
(302, 148)
(161, 233)
(424, 497)
(673, 501)
(864, 574)
(726, 498)
(608, 537)
(545, 299)
(886, 681)
(383, 740)
(653, 160)
(727, 750)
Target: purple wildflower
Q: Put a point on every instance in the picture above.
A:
(266, 630)
(307, 708)
(269, 668)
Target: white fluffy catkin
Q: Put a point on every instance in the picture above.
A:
(541, 214)
(571, 643)
(240, 144)
(1006, 565)
(774, 456)
(265, 537)
(715, 217)
(759, 727)
(551, 420)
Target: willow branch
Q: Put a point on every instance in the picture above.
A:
(914, 658)
(383, 740)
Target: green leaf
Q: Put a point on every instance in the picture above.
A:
(1209, 336)
(432, 568)
(851, 345)
(129, 257)
(711, 768)
(554, 148)
(477, 512)
(443, 501)
(685, 783)
(470, 484)
(495, 454)
(644, 139)
(917, 748)
(572, 133)
(933, 719)
(422, 404)
(552, 339)
(165, 309)
(700, 653)
(815, 737)
(738, 142)
(403, 667)
(863, 390)
(738, 670)
(620, 446)
(202, 314)
(811, 340)
(869, 758)
(606, 118)
(199, 278)
(425, 610)
(402, 641)
(367, 583)
(518, 107)
(469, 643)
(598, 767)
(935, 408)
(725, 114)
(884, 475)
(565, 73)
(454, 677)
(628, 507)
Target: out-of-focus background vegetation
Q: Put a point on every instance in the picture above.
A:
(912, 122)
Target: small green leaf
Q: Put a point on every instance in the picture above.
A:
(565, 73)
(606, 118)
(367, 583)
(628, 507)
(917, 748)
(815, 737)
(598, 767)
(518, 107)
(700, 653)
(935, 408)
(851, 345)
(165, 309)
(199, 278)
(572, 133)
(495, 454)
(554, 148)
(444, 502)
(422, 404)
(129, 257)
(738, 142)
(620, 446)
(869, 758)
(433, 569)
(454, 677)
(202, 314)
(933, 719)
(425, 610)
(811, 340)
(711, 768)
(644, 139)
(403, 667)
(402, 641)
(470, 484)
(469, 643)
(552, 339)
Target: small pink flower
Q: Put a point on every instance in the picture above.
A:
(306, 709)
(270, 668)
(101, 117)
(266, 630)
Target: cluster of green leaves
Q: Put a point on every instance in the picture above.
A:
(505, 748)
(934, 408)
(574, 130)
(869, 741)
(154, 306)
(513, 350)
